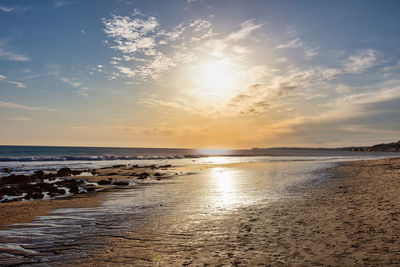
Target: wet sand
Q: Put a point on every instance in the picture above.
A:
(350, 220)
(26, 211)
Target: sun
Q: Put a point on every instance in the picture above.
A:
(217, 78)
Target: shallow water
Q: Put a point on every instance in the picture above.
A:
(75, 233)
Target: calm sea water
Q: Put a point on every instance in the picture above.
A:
(27, 159)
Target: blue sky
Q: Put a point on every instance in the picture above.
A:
(199, 73)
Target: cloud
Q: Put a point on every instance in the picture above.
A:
(141, 39)
(8, 55)
(291, 44)
(245, 30)
(15, 8)
(17, 84)
(348, 120)
(55, 70)
(362, 60)
(260, 97)
(241, 50)
(6, 9)
(127, 71)
(310, 52)
(131, 35)
(147, 49)
(70, 82)
(20, 119)
(178, 104)
(82, 89)
(342, 88)
(57, 4)
(4, 104)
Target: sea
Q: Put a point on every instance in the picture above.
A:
(167, 206)
(28, 159)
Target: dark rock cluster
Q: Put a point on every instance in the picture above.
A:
(38, 185)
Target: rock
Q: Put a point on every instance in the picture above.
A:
(144, 175)
(104, 182)
(34, 195)
(111, 174)
(39, 175)
(16, 179)
(124, 183)
(50, 176)
(166, 166)
(76, 172)
(52, 194)
(119, 166)
(91, 189)
(64, 172)
(31, 189)
(11, 191)
(73, 188)
(61, 191)
(157, 174)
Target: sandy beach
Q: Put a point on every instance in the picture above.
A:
(351, 218)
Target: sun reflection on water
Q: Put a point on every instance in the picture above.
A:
(225, 187)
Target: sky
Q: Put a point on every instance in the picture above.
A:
(199, 73)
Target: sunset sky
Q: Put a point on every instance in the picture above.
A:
(199, 73)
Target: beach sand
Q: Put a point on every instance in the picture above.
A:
(353, 219)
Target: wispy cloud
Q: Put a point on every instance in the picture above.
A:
(142, 41)
(17, 84)
(70, 82)
(55, 70)
(82, 89)
(362, 60)
(245, 30)
(20, 118)
(60, 3)
(4, 104)
(260, 97)
(6, 9)
(291, 44)
(147, 49)
(14, 8)
(8, 55)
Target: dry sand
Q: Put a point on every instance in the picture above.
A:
(352, 220)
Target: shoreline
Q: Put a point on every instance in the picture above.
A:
(351, 220)
(114, 178)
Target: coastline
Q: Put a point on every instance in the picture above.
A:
(26, 211)
(353, 219)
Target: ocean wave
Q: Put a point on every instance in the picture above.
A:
(93, 158)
